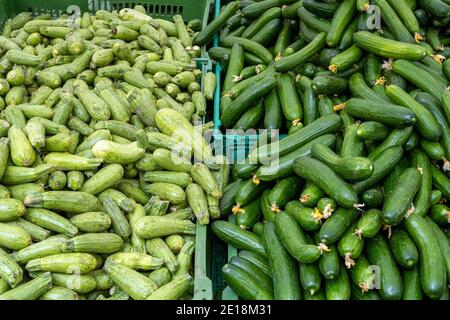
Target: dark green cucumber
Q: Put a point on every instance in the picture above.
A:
(436, 197)
(352, 146)
(268, 33)
(436, 8)
(308, 218)
(245, 100)
(386, 113)
(393, 22)
(250, 46)
(372, 130)
(261, 262)
(346, 59)
(273, 117)
(251, 118)
(310, 278)
(284, 37)
(372, 70)
(443, 244)
(440, 214)
(403, 249)
(249, 215)
(294, 240)
(369, 224)
(412, 142)
(329, 85)
(432, 104)
(350, 246)
(293, 61)
(441, 182)
(324, 125)
(284, 191)
(326, 179)
(382, 166)
(419, 77)
(422, 199)
(355, 168)
(313, 21)
(347, 35)
(311, 195)
(388, 48)
(235, 66)
(258, 23)
(329, 263)
(335, 227)
(321, 8)
(397, 137)
(237, 237)
(341, 18)
(325, 106)
(228, 198)
(310, 110)
(282, 167)
(266, 206)
(373, 198)
(284, 269)
(434, 150)
(398, 203)
(378, 253)
(208, 32)
(412, 289)
(262, 279)
(426, 123)
(244, 284)
(290, 103)
(256, 9)
(244, 170)
(363, 276)
(360, 89)
(248, 191)
(339, 287)
(432, 263)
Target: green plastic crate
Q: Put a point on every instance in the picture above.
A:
(191, 9)
(235, 146)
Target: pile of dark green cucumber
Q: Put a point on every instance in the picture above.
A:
(93, 202)
(351, 204)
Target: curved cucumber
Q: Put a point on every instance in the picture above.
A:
(432, 264)
(326, 179)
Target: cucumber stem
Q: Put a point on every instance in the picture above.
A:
(348, 261)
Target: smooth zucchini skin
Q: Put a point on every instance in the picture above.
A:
(284, 268)
(378, 253)
(432, 265)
